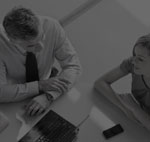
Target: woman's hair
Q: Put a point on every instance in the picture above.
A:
(21, 23)
(143, 41)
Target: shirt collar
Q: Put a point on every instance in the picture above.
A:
(21, 50)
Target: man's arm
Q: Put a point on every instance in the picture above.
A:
(69, 62)
(15, 92)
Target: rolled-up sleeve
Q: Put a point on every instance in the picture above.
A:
(68, 60)
(15, 92)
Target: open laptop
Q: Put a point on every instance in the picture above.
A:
(51, 128)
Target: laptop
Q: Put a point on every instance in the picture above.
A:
(51, 128)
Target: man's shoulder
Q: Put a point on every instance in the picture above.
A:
(48, 21)
(3, 36)
(49, 24)
(1, 29)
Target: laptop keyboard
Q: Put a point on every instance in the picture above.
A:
(51, 128)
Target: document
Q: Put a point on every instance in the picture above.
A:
(27, 123)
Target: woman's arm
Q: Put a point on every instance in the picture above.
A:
(103, 84)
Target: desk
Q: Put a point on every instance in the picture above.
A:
(75, 106)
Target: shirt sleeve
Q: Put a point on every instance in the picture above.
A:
(127, 66)
(68, 60)
(15, 92)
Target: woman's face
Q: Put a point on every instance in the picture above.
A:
(141, 61)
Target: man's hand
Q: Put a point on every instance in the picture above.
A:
(47, 85)
(37, 105)
(75, 139)
(52, 84)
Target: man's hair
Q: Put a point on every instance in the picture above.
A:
(21, 23)
(143, 41)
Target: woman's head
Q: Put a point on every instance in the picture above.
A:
(141, 56)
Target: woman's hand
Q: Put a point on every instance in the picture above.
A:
(37, 105)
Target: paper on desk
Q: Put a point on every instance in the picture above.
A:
(27, 122)
(74, 95)
(25, 127)
(100, 119)
(4, 122)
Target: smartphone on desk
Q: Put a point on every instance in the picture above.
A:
(113, 131)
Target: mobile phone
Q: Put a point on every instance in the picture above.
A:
(117, 129)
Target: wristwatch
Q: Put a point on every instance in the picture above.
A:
(49, 96)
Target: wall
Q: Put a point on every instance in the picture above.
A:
(54, 8)
(139, 9)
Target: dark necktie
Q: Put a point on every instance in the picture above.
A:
(31, 68)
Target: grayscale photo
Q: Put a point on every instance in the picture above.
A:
(74, 71)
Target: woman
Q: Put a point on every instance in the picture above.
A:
(137, 103)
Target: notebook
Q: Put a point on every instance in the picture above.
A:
(51, 128)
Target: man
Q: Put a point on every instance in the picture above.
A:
(24, 32)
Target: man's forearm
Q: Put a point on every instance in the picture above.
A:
(18, 92)
(59, 85)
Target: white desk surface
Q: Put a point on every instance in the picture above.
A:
(75, 106)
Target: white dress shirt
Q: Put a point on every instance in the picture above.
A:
(13, 86)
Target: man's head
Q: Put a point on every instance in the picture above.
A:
(23, 27)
